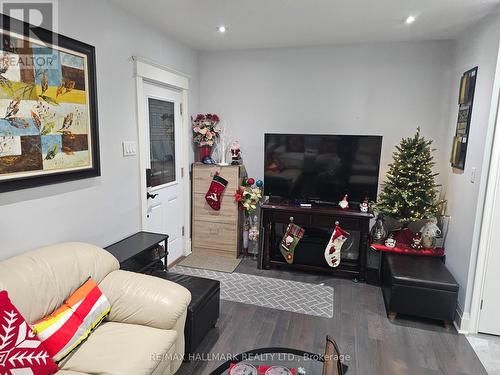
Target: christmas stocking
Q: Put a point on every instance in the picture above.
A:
(214, 193)
(332, 251)
(290, 240)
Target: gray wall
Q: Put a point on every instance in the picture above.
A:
(382, 89)
(386, 89)
(105, 209)
(478, 46)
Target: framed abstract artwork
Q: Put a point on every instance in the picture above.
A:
(465, 103)
(48, 107)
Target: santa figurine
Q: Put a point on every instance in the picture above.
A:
(344, 203)
(417, 241)
(364, 206)
(235, 153)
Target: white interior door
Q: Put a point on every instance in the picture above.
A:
(164, 158)
(489, 321)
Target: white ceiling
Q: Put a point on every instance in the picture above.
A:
(286, 23)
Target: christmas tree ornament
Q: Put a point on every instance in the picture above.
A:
(379, 231)
(344, 203)
(390, 241)
(410, 190)
(333, 249)
(417, 241)
(430, 232)
(364, 206)
(290, 240)
(259, 183)
(214, 193)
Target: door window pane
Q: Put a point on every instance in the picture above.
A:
(162, 141)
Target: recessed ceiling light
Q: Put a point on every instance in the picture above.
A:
(222, 29)
(410, 20)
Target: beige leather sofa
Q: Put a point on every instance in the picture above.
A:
(144, 332)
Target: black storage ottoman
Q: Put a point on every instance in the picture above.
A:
(203, 311)
(418, 286)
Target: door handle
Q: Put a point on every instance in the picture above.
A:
(152, 196)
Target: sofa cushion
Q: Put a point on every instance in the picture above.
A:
(121, 349)
(20, 350)
(39, 281)
(64, 329)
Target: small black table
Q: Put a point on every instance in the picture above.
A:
(134, 252)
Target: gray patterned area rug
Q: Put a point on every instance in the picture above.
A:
(297, 297)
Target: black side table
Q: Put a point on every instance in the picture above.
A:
(141, 252)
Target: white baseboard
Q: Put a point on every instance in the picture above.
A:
(462, 321)
(187, 248)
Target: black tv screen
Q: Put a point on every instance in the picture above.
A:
(321, 168)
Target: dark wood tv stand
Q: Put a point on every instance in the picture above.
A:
(319, 216)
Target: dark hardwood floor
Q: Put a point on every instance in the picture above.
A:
(359, 325)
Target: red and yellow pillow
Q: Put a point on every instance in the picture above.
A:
(20, 350)
(64, 329)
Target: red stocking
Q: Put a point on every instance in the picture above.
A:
(217, 187)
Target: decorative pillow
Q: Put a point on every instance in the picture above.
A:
(70, 324)
(20, 350)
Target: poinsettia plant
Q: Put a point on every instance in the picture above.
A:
(205, 129)
(248, 196)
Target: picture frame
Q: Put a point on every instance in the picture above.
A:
(49, 130)
(465, 102)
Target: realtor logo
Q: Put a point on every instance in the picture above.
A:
(37, 15)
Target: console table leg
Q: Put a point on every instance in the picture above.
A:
(363, 255)
(267, 245)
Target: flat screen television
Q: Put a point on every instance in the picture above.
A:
(321, 168)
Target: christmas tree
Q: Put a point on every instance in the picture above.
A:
(410, 190)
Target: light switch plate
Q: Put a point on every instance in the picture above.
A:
(473, 173)
(129, 148)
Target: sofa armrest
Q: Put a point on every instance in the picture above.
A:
(146, 300)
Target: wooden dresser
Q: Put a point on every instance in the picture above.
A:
(216, 232)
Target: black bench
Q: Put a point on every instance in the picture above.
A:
(419, 286)
(203, 311)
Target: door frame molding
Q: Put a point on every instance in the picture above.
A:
(492, 186)
(149, 71)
